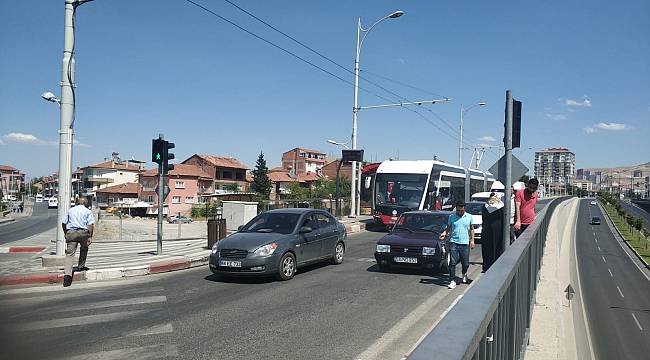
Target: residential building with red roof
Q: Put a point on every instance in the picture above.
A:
(281, 178)
(302, 161)
(122, 193)
(187, 183)
(110, 172)
(225, 171)
(11, 179)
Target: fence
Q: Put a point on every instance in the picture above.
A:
(492, 320)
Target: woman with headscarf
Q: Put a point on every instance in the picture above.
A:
(492, 233)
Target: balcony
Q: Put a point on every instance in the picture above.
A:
(98, 179)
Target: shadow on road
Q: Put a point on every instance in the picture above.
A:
(261, 279)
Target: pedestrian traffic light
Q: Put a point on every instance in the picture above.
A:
(168, 156)
(516, 123)
(157, 147)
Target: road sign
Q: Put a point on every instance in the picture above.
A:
(352, 155)
(165, 191)
(499, 169)
(569, 292)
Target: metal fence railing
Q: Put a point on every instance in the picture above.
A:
(492, 320)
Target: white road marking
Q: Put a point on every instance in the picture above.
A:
(365, 260)
(78, 286)
(141, 353)
(76, 321)
(119, 302)
(152, 330)
(598, 247)
(596, 240)
(610, 272)
(637, 322)
(47, 298)
(605, 261)
(619, 291)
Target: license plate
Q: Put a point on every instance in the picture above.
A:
(229, 263)
(408, 260)
(394, 218)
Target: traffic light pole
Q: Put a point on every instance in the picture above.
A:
(161, 201)
(507, 142)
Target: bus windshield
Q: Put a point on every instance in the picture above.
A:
(400, 189)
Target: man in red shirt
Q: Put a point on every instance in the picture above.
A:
(525, 201)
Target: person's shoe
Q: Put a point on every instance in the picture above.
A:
(67, 280)
(464, 278)
(452, 285)
(83, 268)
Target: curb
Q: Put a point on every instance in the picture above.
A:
(638, 256)
(22, 249)
(351, 229)
(107, 274)
(6, 221)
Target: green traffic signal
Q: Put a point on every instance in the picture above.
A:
(157, 156)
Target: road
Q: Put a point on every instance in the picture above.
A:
(637, 212)
(42, 219)
(326, 311)
(616, 293)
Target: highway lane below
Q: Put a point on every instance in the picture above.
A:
(41, 220)
(616, 293)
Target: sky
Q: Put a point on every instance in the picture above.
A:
(581, 70)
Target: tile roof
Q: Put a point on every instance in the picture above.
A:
(222, 161)
(110, 164)
(310, 176)
(181, 170)
(7, 168)
(126, 188)
(306, 150)
(283, 176)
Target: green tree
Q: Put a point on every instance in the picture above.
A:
(298, 192)
(232, 188)
(261, 182)
(638, 224)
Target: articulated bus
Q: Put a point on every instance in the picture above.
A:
(400, 186)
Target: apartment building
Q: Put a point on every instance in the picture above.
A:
(225, 172)
(187, 183)
(111, 172)
(303, 161)
(555, 166)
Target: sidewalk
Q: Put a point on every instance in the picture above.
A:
(22, 260)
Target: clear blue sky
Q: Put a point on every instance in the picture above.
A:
(581, 69)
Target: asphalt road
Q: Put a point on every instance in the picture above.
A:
(326, 311)
(637, 211)
(42, 219)
(616, 293)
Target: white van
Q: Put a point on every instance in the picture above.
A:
(39, 198)
(53, 203)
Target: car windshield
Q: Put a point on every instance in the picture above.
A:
(400, 189)
(270, 222)
(435, 223)
(474, 208)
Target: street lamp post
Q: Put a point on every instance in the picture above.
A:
(355, 109)
(460, 139)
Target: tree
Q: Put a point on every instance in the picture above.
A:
(638, 224)
(261, 182)
(234, 188)
(298, 192)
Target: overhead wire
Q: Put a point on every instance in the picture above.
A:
(398, 96)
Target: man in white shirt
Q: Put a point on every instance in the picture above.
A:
(78, 226)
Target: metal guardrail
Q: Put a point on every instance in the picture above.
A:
(492, 320)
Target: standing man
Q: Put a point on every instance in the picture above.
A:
(78, 227)
(459, 225)
(525, 201)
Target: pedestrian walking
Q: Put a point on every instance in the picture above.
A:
(525, 201)
(78, 226)
(461, 240)
(492, 233)
(515, 187)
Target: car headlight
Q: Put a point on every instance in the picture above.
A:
(383, 248)
(265, 250)
(214, 249)
(428, 251)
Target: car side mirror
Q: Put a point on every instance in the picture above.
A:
(305, 229)
(240, 227)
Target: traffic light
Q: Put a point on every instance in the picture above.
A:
(157, 147)
(167, 156)
(516, 123)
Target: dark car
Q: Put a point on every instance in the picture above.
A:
(414, 242)
(277, 242)
(595, 220)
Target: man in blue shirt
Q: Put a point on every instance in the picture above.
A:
(461, 239)
(78, 227)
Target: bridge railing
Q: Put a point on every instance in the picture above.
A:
(492, 320)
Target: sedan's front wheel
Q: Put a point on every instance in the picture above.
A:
(339, 250)
(287, 267)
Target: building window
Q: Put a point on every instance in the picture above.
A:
(180, 185)
(189, 200)
(150, 199)
(226, 174)
(176, 199)
(239, 175)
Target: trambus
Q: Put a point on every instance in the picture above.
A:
(401, 186)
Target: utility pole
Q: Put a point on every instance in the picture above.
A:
(507, 142)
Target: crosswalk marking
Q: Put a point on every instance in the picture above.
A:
(76, 321)
(78, 286)
(140, 353)
(29, 301)
(119, 302)
(152, 330)
(365, 260)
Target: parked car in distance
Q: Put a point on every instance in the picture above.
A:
(414, 242)
(52, 203)
(474, 208)
(278, 242)
(39, 198)
(179, 219)
(595, 220)
(593, 202)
